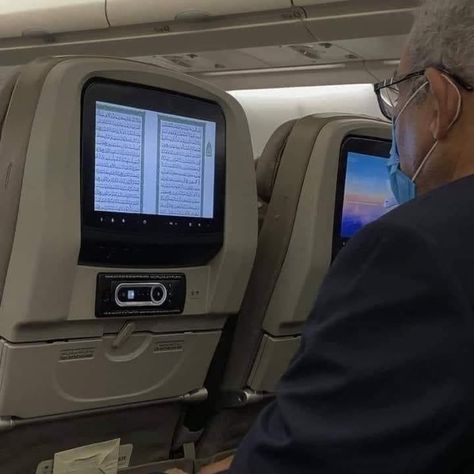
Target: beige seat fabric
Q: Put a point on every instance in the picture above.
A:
(280, 175)
(267, 167)
(22, 447)
(297, 177)
(281, 172)
(63, 398)
(6, 214)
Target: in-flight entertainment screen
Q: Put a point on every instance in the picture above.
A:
(153, 174)
(367, 193)
(153, 163)
(363, 192)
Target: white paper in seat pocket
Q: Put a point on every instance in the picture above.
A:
(100, 458)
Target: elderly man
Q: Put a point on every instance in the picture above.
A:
(384, 380)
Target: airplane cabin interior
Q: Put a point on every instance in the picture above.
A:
(177, 178)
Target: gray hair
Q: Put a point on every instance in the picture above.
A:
(443, 36)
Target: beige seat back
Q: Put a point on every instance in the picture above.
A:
(297, 180)
(71, 374)
(281, 175)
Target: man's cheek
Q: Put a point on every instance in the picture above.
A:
(407, 146)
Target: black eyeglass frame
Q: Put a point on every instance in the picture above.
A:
(395, 81)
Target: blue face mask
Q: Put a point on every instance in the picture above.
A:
(403, 188)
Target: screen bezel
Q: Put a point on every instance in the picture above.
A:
(168, 102)
(371, 146)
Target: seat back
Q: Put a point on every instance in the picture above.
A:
(281, 175)
(84, 359)
(297, 176)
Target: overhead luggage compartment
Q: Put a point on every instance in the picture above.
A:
(126, 12)
(33, 18)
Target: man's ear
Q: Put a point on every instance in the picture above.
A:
(445, 96)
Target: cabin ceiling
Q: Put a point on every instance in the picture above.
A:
(236, 45)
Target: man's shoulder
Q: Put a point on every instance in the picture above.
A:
(441, 222)
(439, 213)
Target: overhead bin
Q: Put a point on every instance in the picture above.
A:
(126, 12)
(34, 18)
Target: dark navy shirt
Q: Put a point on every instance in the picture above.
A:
(384, 380)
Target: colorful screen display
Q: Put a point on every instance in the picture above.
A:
(367, 193)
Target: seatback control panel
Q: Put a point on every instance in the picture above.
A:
(141, 294)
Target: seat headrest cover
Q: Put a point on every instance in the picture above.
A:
(269, 162)
(6, 90)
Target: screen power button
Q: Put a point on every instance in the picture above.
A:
(159, 294)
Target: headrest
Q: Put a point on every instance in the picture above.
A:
(6, 91)
(269, 161)
(5, 94)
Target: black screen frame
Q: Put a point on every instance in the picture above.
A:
(119, 233)
(371, 146)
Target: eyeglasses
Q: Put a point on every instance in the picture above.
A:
(388, 91)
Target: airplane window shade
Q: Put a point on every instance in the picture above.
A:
(153, 172)
(363, 191)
